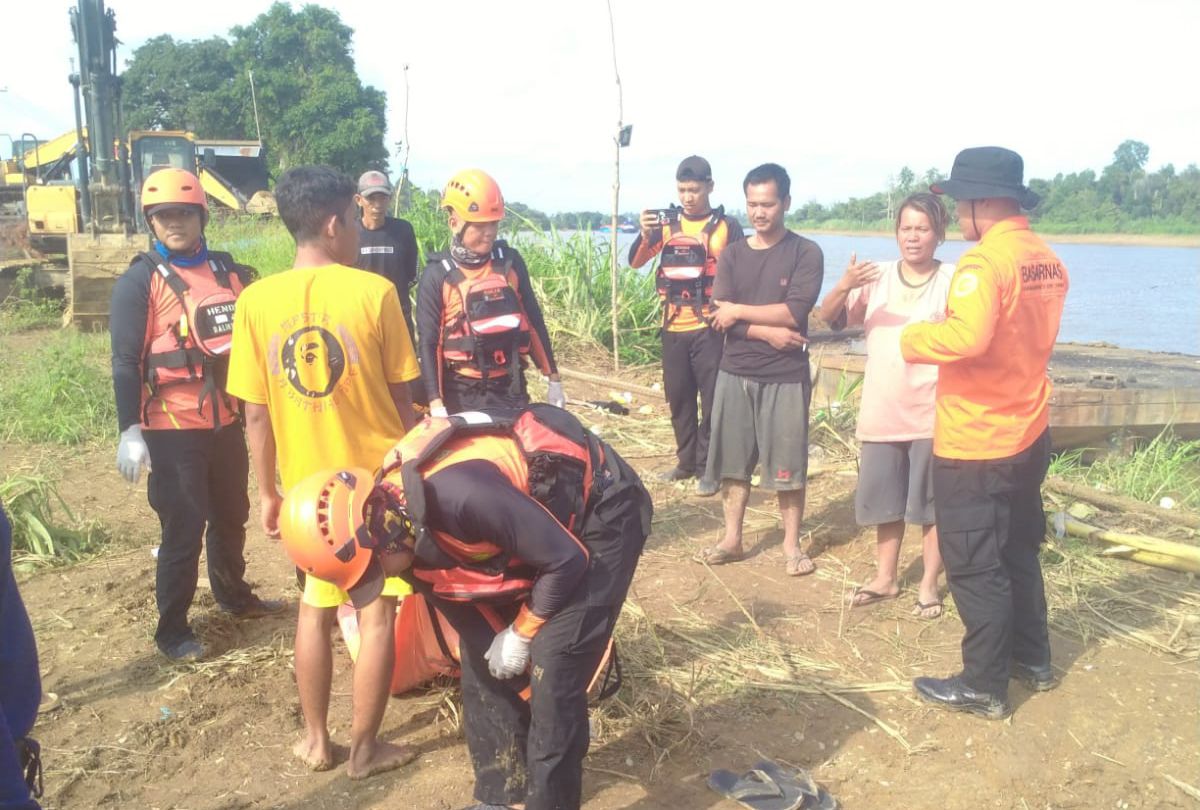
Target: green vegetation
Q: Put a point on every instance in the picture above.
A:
(312, 106)
(60, 390)
(26, 307)
(261, 242)
(1166, 467)
(1125, 198)
(44, 528)
(572, 279)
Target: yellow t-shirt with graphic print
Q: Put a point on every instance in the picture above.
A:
(318, 347)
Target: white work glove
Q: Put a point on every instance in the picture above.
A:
(509, 654)
(555, 395)
(132, 454)
(439, 412)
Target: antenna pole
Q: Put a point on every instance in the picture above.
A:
(254, 102)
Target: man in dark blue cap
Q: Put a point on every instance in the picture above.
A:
(991, 441)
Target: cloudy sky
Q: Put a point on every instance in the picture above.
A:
(841, 93)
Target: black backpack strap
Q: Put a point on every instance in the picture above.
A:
(435, 620)
(714, 221)
(173, 280)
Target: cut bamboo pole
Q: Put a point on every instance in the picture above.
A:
(609, 382)
(1120, 503)
(1149, 550)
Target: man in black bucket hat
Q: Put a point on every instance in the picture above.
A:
(991, 440)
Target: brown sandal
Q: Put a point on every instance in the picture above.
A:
(795, 566)
(715, 555)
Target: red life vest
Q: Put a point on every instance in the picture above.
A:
(189, 330)
(687, 268)
(557, 464)
(485, 332)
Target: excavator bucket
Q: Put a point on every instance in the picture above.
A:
(95, 262)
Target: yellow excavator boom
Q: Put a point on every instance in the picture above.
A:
(216, 189)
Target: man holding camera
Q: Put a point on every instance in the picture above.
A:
(690, 239)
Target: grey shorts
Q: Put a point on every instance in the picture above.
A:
(895, 482)
(756, 422)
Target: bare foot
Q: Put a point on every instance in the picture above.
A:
(379, 757)
(317, 755)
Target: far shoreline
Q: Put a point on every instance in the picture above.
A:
(1141, 239)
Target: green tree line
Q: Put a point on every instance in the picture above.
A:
(312, 106)
(1123, 198)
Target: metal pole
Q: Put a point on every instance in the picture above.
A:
(254, 103)
(616, 212)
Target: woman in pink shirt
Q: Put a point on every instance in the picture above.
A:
(895, 420)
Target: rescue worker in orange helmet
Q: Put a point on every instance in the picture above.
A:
(524, 530)
(478, 320)
(171, 321)
(690, 239)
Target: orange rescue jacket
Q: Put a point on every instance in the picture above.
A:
(189, 329)
(992, 348)
(541, 450)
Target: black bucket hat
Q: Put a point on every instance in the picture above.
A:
(987, 171)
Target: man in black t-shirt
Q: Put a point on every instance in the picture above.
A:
(387, 246)
(765, 288)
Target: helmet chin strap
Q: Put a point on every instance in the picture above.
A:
(974, 225)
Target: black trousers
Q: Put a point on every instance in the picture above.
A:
(690, 363)
(198, 480)
(990, 527)
(528, 737)
(461, 393)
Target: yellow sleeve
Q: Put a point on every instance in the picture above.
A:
(247, 367)
(971, 313)
(399, 359)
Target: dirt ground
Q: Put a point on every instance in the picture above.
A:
(125, 729)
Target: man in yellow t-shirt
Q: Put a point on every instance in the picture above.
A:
(322, 358)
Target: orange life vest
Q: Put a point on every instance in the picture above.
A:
(688, 266)
(485, 332)
(542, 450)
(189, 330)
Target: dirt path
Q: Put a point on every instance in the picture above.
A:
(130, 731)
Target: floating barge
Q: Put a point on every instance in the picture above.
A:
(1103, 397)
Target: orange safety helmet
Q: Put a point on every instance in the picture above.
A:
(322, 527)
(474, 196)
(167, 188)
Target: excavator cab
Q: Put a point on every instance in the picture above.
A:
(150, 151)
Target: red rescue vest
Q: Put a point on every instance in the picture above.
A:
(189, 330)
(687, 268)
(557, 464)
(485, 332)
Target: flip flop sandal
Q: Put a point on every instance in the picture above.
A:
(921, 607)
(768, 786)
(715, 555)
(871, 597)
(792, 566)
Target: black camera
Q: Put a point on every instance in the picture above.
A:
(666, 216)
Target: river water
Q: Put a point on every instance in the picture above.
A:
(1132, 296)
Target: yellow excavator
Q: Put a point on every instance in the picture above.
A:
(81, 198)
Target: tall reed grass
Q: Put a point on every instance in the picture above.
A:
(570, 274)
(1166, 467)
